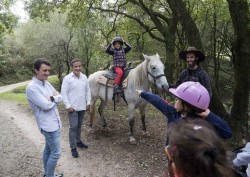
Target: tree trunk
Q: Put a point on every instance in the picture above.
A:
(170, 48)
(193, 35)
(215, 58)
(239, 11)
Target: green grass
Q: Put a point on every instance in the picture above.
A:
(18, 94)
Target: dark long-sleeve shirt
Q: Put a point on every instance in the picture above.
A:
(197, 75)
(119, 57)
(221, 127)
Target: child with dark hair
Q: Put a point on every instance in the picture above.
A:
(195, 151)
(119, 58)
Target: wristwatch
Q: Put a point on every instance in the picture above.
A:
(52, 98)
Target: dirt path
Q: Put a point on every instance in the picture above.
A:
(22, 145)
(109, 153)
(9, 87)
(19, 155)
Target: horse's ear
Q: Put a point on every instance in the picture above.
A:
(146, 57)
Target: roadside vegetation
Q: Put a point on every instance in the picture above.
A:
(18, 94)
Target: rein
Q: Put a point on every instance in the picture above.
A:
(155, 77)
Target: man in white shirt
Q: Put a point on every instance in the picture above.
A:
(76, 97)
(43, 99)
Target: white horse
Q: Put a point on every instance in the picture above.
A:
(151, 70)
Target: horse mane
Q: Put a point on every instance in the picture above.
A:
(139, 73)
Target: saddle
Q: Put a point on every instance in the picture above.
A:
(108, 79)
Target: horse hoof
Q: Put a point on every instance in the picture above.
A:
(145, 133)
(132, 140)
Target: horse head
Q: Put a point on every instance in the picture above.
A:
(155, 72)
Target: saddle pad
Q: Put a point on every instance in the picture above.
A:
(103, 80)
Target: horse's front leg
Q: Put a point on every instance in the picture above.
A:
(131, 110)
(101, 112)
(142, 113)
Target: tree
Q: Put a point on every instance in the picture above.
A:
(7, 19)
(7, 22)
(32, 40)
(239, 10)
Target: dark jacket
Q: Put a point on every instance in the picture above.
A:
(222, 128)
(197, 75)
(119, 57)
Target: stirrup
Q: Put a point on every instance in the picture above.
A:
(117, 89)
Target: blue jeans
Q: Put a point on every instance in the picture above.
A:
(52, 151)
(75, 125)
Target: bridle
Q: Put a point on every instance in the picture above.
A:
(155, 77)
